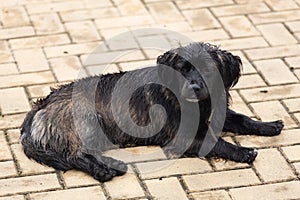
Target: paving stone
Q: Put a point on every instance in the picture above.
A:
(207, 35)
(14, 17)
(27, 64)
(39, 91)
(270, 70)
(271, 17)
(124, 187)
(131, 7)
(269, 173)
(13, 100)
(7, 169)
(28, 184)
(164, 12)
(192, 4)
(97, 4)
(297, 115)
(75, 178)
(137, 154)
(154, 42)
(83, 31)
(247, 8)
(282, 4)
(54, 7)
(225, 179)
(67, 68)
(247, 66)
(18, 197)
(279, 37)
(16, 32)
(277, 191)
(239, 26)
(71, 49)
(79, 15)
(293, 61)
(4, 151)
(11, 121)
(238, 104)
(128, 66)
(91, 193)
(166, 188)
(102, 69)
(248, 81)
(293, 26)
(9, 68)
(227, 165)
(271, 93)
(6, 57)
(212, 195)
(26, 165)
(297, 72)
(174, 26)
(26, 79)
(124, 41)
(120, 21)
(292, 153)
(293, 104)
(287, 137)
(208, 21)
(47, 23)
(39, 41)
(13, 136)
(242, 43)
(273, 110)
(297, 167)
(173, 167)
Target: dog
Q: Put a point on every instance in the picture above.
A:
(62, 130)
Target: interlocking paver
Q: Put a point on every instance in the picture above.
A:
(54, 6)
(160, 14)
(242, 43)
(293, 26)
(13, 136)
(240, 9)
(47, 23)
(75, 178)
(191, 4)
(297, 167)
(282, 4)
(292, 152)
(238, 105)
(252, 80)
(130, 7)
(14, 16)
(7, 169)
(83, 31)
(11, 121)
(293, 104)
(9, 68)
(293, 61)
(271, 17)
(208, 21)
(39, 91)
(4, 151)
(208, 35)
(213, 195)
(16, 32)
(18, 197)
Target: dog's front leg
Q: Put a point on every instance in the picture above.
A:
(238, 123)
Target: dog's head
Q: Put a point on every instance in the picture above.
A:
(199, 64)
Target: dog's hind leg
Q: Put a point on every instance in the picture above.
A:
(238, 123)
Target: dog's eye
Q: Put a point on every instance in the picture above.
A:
(186, 68)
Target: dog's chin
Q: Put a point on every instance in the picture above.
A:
(192, 100)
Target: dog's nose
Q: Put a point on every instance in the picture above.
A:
(195, 87)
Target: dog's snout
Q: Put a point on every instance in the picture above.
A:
(195, 86)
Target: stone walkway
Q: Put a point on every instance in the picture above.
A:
(46, 42)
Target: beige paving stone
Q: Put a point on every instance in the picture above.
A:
(125, 41)
(39, 91)
(271, 17)
(91, 193)
(16, 32)
(238, 104)
(248, 81)
(13, 100)
(279, 37)
(7, 169)
(39, 41)
(124, 187)
(26, 79)
(273, 52)
(97, 4)
(167, 188)
(287, 137)
(297, 167)
(27, 64)
(6, 57)
(172, 167)
(212, 195)
(268, 172)
(277, 191)
(164, 12)
(293, 61)
(13, 136)
(83, 31)
(174, 26)
(79, 15)
(26, 165)
(121, 21)
(66, 68)
(137, 154)
(54, 6)
(270, 69)
(297, 72)
(102, 69)
(8, 68)
(112, 32)
(292, 153)
(271, 93)
(225, 179)
(242, 43)
(192, 4)
(18, 197)
(247, 8)
(75, 178)
(227, 165)
(297, 115)
(14, 17)
(293, 26)
(207, 35)
(4, 151)
(128, 66)
(28, 184)
(208, 21)
(293, 104)
(273, 110)
(239, 26)
(71, 49)
(11, 121)
(282, 4)
(154, 41)
(130, 7)
(47, 23)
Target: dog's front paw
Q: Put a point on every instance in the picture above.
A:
(271, 128)
(245, 155)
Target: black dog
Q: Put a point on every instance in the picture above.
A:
(63, 130)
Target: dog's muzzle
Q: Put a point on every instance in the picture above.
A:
(194, 92)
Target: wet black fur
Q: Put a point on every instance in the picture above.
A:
(61, 147)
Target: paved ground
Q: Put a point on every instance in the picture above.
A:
(45, 42)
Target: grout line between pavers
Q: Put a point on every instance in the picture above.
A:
(184, 187)
(289, 163)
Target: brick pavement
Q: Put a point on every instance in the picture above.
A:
(46, 42)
